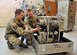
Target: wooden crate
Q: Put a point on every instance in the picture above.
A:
(50, 7)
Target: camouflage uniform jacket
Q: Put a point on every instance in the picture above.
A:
(16, 28)
(33, 22)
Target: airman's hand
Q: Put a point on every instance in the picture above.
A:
(36, 29)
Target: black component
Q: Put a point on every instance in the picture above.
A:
(43, 28)
(53, 27)
(61, 35)
(28, 42)
(50, 36)
(54, 18)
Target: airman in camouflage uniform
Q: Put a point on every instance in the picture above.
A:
(18, 28)
(32, 20)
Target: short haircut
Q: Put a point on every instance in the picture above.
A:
(29, 10)
(18, 11)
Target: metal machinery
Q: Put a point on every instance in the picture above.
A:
(50, 39)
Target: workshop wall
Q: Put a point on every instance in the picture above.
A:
(7, 8)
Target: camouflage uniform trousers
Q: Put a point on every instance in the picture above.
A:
(13, 39)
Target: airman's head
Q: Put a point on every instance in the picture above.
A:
(19, 14)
